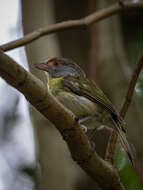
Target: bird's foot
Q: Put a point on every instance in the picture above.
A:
(82, 120)
(84, 128)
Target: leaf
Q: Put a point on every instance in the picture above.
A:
(127, 173)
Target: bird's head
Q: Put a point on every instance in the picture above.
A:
(60, 67)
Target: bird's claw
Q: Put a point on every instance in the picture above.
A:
(84, 128)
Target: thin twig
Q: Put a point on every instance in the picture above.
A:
(131, 87)
(72, 24)
(128, 99)
(110, 150)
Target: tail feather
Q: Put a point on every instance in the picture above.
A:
(124, 142)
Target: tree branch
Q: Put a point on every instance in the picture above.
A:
(131, 87)
(72, 24)
(37, 94)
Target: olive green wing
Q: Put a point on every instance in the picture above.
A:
(86, 88)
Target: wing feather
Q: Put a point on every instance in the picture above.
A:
(84, 87)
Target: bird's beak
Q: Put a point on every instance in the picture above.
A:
(44, 65)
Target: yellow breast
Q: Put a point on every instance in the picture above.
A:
(54, 84)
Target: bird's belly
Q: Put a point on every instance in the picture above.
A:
(77, 104)
(80, 105)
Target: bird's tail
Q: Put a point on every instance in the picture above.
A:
(124, 142)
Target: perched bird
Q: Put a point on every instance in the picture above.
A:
(68, 83)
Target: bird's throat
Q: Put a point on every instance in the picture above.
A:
(54, 83)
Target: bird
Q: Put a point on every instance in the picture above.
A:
(69, 84)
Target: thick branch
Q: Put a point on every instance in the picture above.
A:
(37, 94)
(72, 24)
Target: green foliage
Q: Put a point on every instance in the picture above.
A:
(127, 173)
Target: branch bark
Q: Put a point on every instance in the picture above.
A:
(72, 24)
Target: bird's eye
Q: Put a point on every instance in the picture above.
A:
(56, 64)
